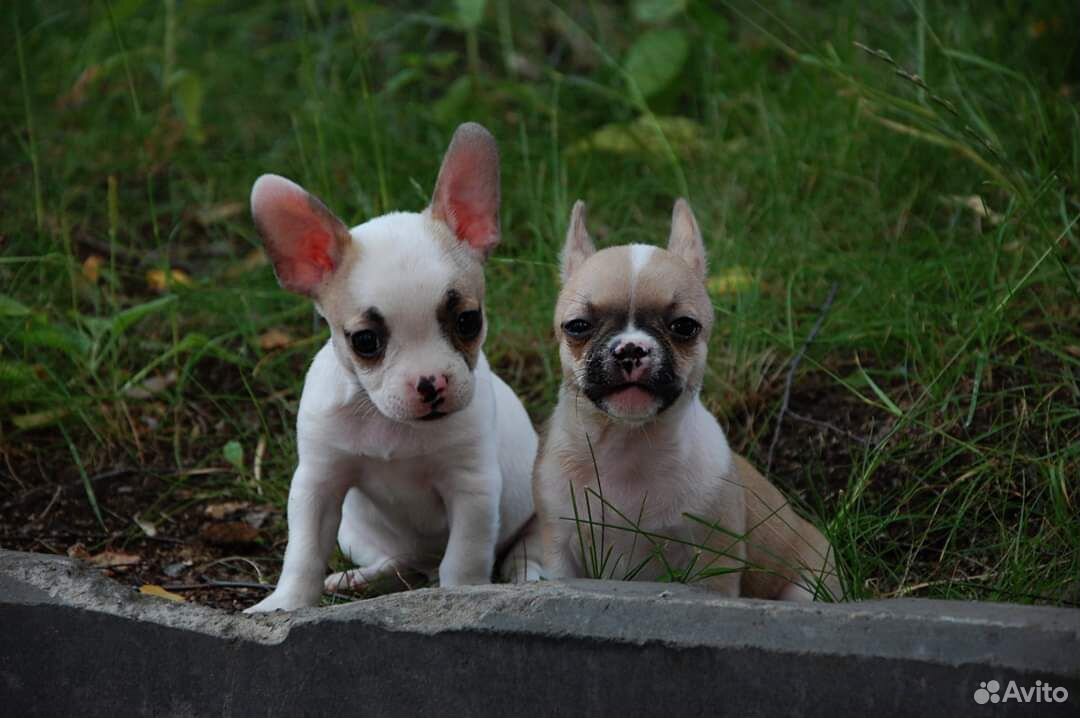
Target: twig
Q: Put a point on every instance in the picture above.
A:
(260, 450)
(826, 305)
(52, 502)
(210, 583)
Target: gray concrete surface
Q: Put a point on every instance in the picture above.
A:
(74, 644)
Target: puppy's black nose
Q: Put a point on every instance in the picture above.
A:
(629, 350)
(426, 387)
(629, 356)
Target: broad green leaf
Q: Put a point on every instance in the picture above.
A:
(10, 307)
(401, 79)
(18, 382)
(452, 104)
(55, 336)
(234, 454)
(470, 12)
(188, 95)
(656, 59)
(121, 321)
(656, 10)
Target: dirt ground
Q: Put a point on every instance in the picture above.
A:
(217, 551)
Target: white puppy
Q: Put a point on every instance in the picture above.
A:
(411, 451)
(633, 324)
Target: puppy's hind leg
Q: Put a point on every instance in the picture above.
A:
(357, 579)
(353, 537)
(521, 562)
(795, 592)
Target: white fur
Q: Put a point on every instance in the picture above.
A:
(639, 257)
(434, 496)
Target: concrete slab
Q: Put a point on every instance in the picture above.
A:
(73, 643)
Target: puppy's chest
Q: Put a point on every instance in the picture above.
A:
(637, 497)
(404, 489)
(642, 484)
(372, 436)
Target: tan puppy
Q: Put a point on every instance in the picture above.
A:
(633, 324)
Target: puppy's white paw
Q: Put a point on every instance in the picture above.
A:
(463, 577)
(356, 579)
(280, 601)
(516, 570)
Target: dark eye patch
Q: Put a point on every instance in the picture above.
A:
(684, 328)
(368, 342)
(469, 324)
(461, 325)
(579, 328)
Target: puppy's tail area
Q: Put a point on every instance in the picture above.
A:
(519, 561)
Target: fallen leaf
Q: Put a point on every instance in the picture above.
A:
(152, 386)
(38, 419)
(229, 533)
(730, 281)
(152, 589)
(260, 451)
(91, 268)
(77, 94)
(226, 509)
(274, 339)
(645, 135)
(252, 260)
(173, 570)
(147, 527)
(213, 214)
(256, 518)
(114, 559)
(1073, 349)
(978, 206)
(156, 279)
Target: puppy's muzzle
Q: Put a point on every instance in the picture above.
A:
(633, 359)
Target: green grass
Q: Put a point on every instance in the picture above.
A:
(936, 433)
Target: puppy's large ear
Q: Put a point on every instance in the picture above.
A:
(304, 240)
(685, 240)
(579, 246)
(467, 190)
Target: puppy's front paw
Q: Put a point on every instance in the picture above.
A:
(463, 575)
(516, 569)
(280, 601)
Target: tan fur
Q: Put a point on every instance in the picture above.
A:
(781, 546)
(668, 465)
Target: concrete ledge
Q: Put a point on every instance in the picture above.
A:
(73, 643)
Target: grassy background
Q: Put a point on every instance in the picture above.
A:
(934, 426)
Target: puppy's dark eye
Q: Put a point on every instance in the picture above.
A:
(469, 324)
(577, 328)
(685, 328)
(366, 343)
